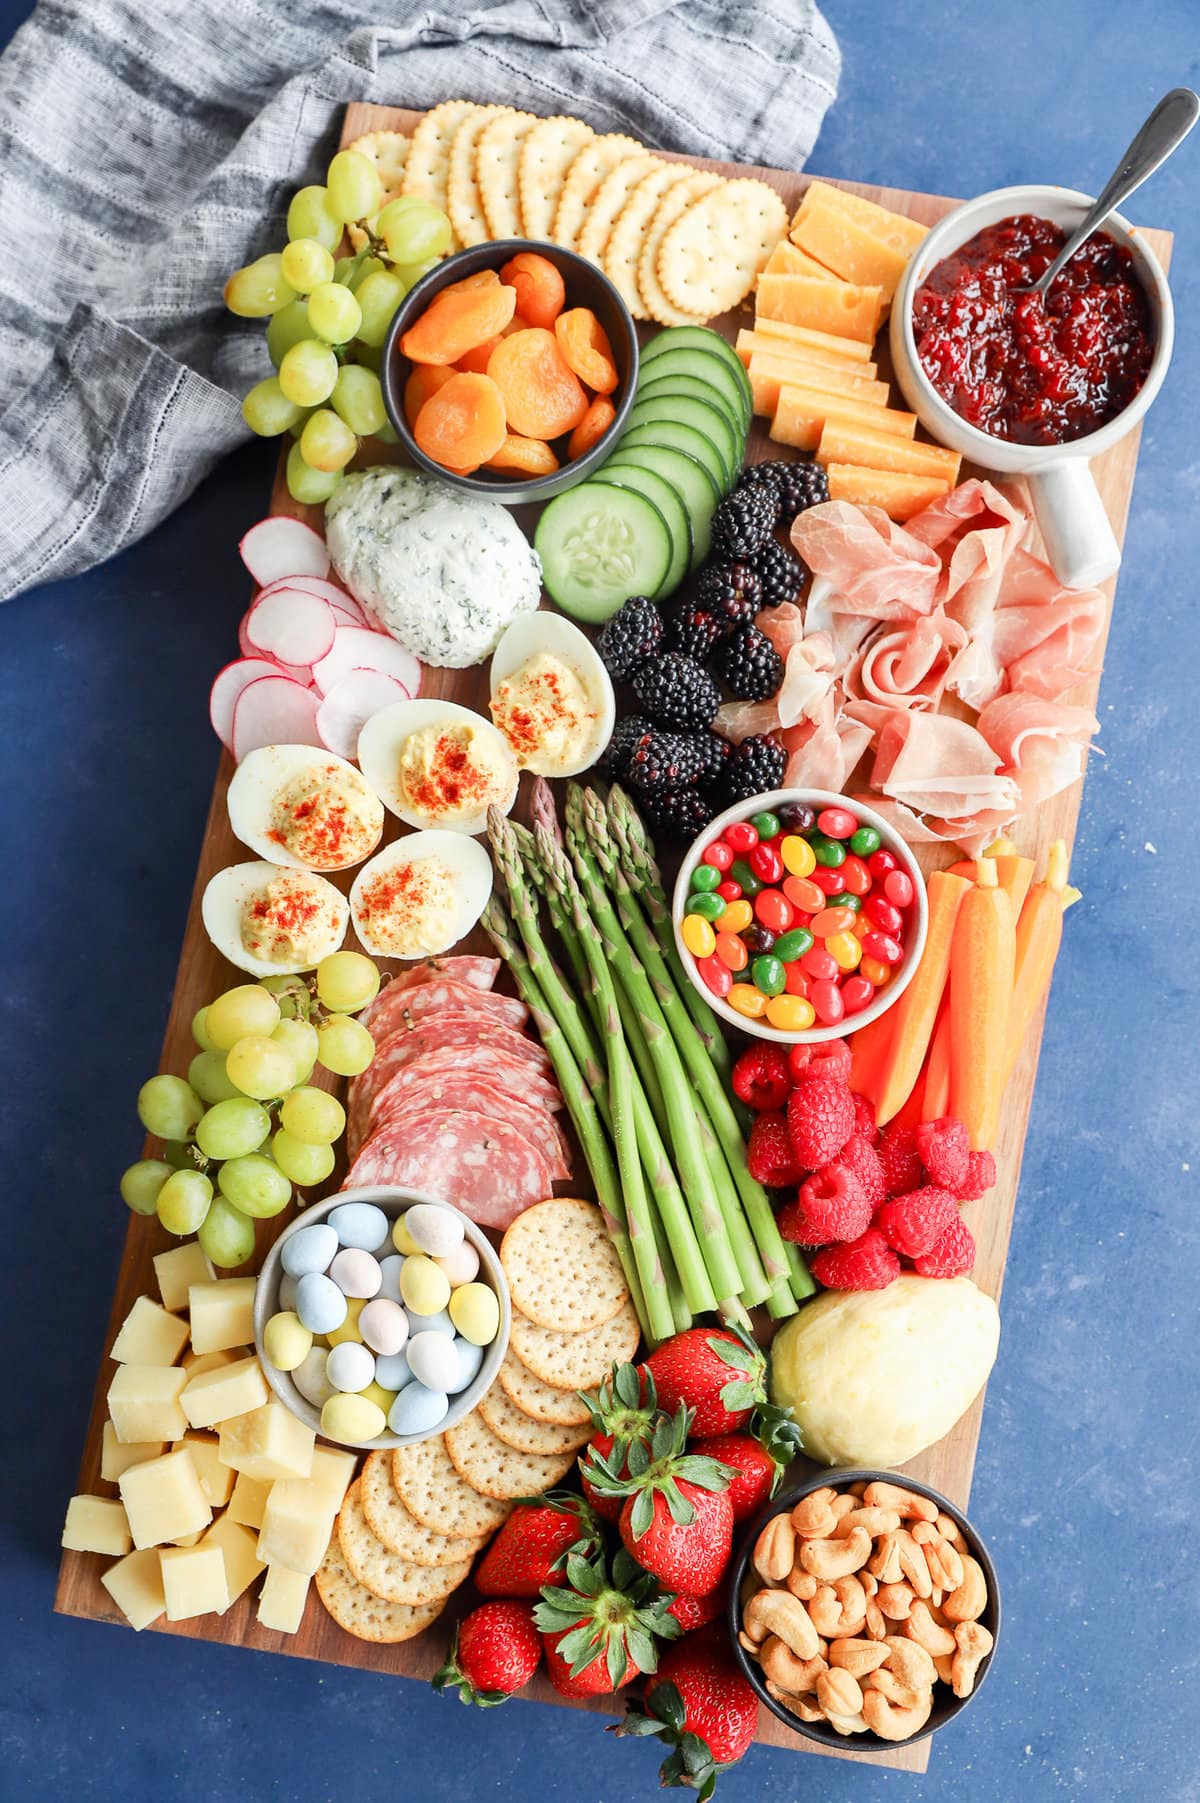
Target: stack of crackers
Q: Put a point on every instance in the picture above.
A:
(412, 1523)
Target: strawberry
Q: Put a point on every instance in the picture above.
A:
(913, 1224)
(533, 1543)
(601, 1628)
(952, 1255)
(624, 1410)
(496, 1651)
(897, 1153)
(692, 1612)
(757, 1468)
(676, 1519)
(820, 1120)
(945, 1150)
(718, 1373)
(769, 1155)
(702, 1707)
(866, 1264)
(981, 1175)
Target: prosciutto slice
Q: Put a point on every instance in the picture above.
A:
(907, 666)
(1044, 636)
(823, 752)
(1043, 744)
(875, 567)
(974, 530)
(808, 678)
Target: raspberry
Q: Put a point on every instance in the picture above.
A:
(829, 1058)
(833, 1205)
(914, 1223)
(864, 1119)
(901, 1162)
(859, 1157)
(761, 1078)
(820, 1120)
(769, 1157)
(868, 1263)
(953, 1254)
(981, 1175)
(944, 1147)
(795, 1226)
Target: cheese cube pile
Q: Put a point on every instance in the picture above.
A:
(217, 1483)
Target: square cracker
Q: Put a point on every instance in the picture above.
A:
(609, 201)
(710, 258)
(546, 155)
(463, 200)
(597, 159)
(622, 253)
(674, 202)
(497, 158)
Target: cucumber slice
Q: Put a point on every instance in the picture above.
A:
(671, 434)
(690, 479)
(682, 360)
(703, 416)
(698, 338)
(599, 544)
(674, 381)
(656, 488)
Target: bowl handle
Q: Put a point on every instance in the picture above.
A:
(1079, 540)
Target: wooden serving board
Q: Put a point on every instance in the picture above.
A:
(203, 973)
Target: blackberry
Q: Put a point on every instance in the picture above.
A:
(779, 573)
(731, 592)
(694, 631)
(632, 635)
(757, 765)
(659, 760)
(678, 813)
(749, 665)
(744, 520)
(677, 690)
(797, 486)
(614, 759)
(717, 753)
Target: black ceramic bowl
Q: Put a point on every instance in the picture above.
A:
(586, 286)
(945, 1705)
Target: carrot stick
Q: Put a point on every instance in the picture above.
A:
(913, 1111)
(964, 868)
(915, 1014)
(935, 1098)
(982, 963)
(1038, 936)
(1015, 875)
(868, 1048)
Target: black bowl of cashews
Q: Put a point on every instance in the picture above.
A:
(864, 1610)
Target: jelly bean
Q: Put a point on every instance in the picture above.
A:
(417, 1410)
(356, 1273)
(469, 1357)
(742, 836)
(864, 841)
(830, 921)
(439, 1323)
(350, 1366)
(856, 993)
(319, 1303)
(352, 1419)
(359, 1224)
(881, 946)
(837, 823)
(383, 1326)
(898, 887)
(475, 1312)
(804, 894)
(718, 854)
(797, 855)
(424, 1286)
(829, 852)
(760, 939)
(286, 1341)
(819, 964)
(790, 1013)
(828, 881)
(433, 1229)
(731, 951)
(389, 1271)
(310, 1379)
(880, 862)
(883, 915)
(715, 976)
(877, 974)
(347, 1329)
(797, 983)
(826, 998)
(768, 975)
(766, 824)
(433, 1360)
(707, 907)
(741, 873)
(730, 890)
(774, 909)
(460, 1266)
(402, 1240)
(745, 999)
(705, 877)
(855, 876)
(697, 934)
(790, 946)
(845, 950)
(766, 863)
(844, 899)
(797, 817)
(393, 1371)
(311, 1249)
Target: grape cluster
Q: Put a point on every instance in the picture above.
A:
(329, 318)
(246, 1124)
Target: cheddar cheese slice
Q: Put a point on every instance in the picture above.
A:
(896, 229)
(786, 259)
(749, 342)
(801, 413)
(767, 373)
(803, 338)
(850, 248)
(844, 443)
(900, 496)
(842, 308)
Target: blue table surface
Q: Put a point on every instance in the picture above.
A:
(1086, 1479)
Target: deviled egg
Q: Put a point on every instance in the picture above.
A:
(421, 894)
(273, 920)
(552, 698)
(438, 765)
(307, 808)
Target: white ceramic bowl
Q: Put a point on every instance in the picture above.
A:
(1079, 540)
(918, 924)
(393, 1202)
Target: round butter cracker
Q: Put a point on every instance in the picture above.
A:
(576, 1361)
(710, 258)
(497, 157)
(391, 1578)
(609, 203)
(546, 155)
(598, 157)
(427, 170)
(623, 252)
(675, 201)
(463, 200)
(397, 1528)
(360, 1612)
(497, 1470)
(562, 1268)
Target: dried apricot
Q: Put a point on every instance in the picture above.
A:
(541, 395)
(592, 427)
(475, 361)
(527, 456)
(463, 424)
(424, 381)
(462, 316)
(539, 287)
(585, 346)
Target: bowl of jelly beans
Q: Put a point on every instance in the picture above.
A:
(800, 916)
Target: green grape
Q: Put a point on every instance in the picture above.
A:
(141, 1183)
(267, 410)
(414, 230)
(305, 263)
(250, 1008)
(297, 431)
(311, 216)
(358, 399)
(260, 1067)
(411, 273)
(368, 356)
(346, 1048)
(200, 1030)
(308, 373)
(259, 288)
(226, 1234)
(255, 1185)
(286, 328)
(387, 433)
(327, 443)
(292, 994)
(169, 1108)
(334, 312)
(209, 1078)
(307, 484)
(378, 297)
(300, 1039)
(179, 1156)
(360, 268)
(231, 1129)
(347, 981)
(355, 190)
(312, 1115)
(305, 1164)
(183, 1201)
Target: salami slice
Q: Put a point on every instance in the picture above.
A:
(473, 973)
(392, 1114)
(416, 1004)
(455, 1028)
(482, 1165)
(488, 1064)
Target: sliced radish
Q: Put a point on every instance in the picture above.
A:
(338, 598)
(274, 711)
(281, 547)
(292, 627)
(356, 649)
(350, 703)
(244, 645)
(227, 686)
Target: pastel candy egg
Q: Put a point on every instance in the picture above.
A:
(417, 1410)
(319, 1303)
(433, 1229)
(402, 1240)
(424, 1286)
(383, 1325)
(286, 1341)
(433, 1360)
(389, 1273)
(309, 1250)
(392, 1370)
(356, 1273)
(310, 1379)
(359, 1224)
(352, 1418)
(461, 1265)
(350, 1366)
(439, 1323)
(287, 1291)
(475, 1311)
(349, 1327)
(469, 1358)
(383, 1399)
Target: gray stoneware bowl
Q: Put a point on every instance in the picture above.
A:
(393, 1202)
(586, 286)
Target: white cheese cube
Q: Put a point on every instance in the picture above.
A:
(216, 1479)
(96, 1524)
(194, 1581)
(297, 1523)
(242, 1564)
(163, 1499)
(282, 1598)
(179, 1268)
(144, 1403)
(226, 1390)
(248, 1501)
(222, 1313)
(135, 1585)
(116, 1457)
(268, 1443)
(149, 1336)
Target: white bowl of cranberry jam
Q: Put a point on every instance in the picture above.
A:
(1029, 386)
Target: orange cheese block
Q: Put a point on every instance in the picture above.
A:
(849, 247)
(785, 259)
(900, 496)
(896, 229)
(801, 413)
(842, 308)
(843, 443)
(803, 338)
(767, 373)
(750, 342)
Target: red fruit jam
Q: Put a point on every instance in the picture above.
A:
(1033, 371)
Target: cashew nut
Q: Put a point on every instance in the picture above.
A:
(875, 1521)
(885, 1681)
(842, 1505)
(870, 1584)
(974, 1644)
(944, 1561)
(895, 1600)
(910, 1662)
(893, 1723)
(807, 1708)
(945, 1668)
(858, 1657)
(838, 1693)
(928, 1633)
(750, 1646)
(907, 1504)
(783, 1668)
(969, 1600)
(813, 1514)
(839, 1610)
(949, 1529)
(875, 1622)
(847, 1724)
(829, 1559)
(857, 1489)
(776, 1612)
(801, 1584)
(913, 1563)
(884, 1562)
(775, 1550)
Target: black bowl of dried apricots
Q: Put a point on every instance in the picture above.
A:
(509, 370)
(864, 1610)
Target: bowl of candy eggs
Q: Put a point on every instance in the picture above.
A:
(381, 1316)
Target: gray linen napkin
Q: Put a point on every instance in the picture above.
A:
(148, 149)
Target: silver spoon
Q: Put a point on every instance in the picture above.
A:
(1166, 128)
